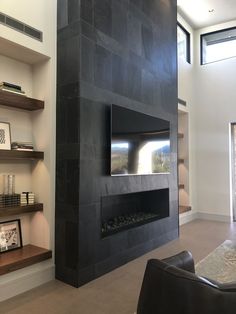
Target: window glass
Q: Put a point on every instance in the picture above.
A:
(218, 45)
(183, 40)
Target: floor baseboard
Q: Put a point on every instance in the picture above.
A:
(185, 218)
(214, 217)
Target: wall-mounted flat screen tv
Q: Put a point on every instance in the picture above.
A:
(140, 143)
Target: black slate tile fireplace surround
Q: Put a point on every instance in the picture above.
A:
(119, 52)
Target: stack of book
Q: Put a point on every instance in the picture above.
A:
(23, 199)
(30, 198)
(26, 198)
(25, 146)
(9, 87)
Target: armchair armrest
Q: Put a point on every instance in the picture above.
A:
(228, 287)
(183, 260)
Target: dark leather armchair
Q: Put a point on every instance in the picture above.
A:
(170, 286)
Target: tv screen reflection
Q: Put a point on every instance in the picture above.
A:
(140, 143)
(140, 157)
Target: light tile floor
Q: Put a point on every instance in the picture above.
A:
(117, 292)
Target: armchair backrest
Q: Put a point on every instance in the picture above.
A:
(167, 289)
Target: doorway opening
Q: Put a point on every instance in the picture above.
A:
(233, 170)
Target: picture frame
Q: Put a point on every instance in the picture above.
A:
(10, 235)
(5, 136)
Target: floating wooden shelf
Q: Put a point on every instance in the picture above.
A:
(20, 101)
(181, 186)
(180, 135)
(20, 154)
(17, 210)
(23, 257)
(183, 209)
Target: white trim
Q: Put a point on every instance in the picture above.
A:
(214, 217)
(26, 279)
(182, 108)
(188, 217)
(185, 218)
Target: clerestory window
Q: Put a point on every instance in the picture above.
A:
(218, 45)
(183, 41)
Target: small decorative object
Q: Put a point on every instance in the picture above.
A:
(10, 235)
(9, 197)
(7, 200)
(26, 198)
(5, 135)
(30, 198)
(11, 184)
(1, 200)
(5, 184)
(23, 199)
(8, 184)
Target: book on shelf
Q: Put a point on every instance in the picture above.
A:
(22, 143)
(27, 198)
(24, 146)
(10, 85)
(12, 90)
(24, 149)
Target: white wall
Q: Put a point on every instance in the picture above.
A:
(215, 108)
(210, 93)
(39, 14)
(186, 92)
(38, 80)
(32, 65)
(185, 70)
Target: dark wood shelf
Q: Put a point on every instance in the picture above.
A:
(23, 257)
(20, 154)
(21, 209)
(20, 101)
(181, 186)
(184, 209)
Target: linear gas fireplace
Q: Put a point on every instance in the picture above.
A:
(125, 211)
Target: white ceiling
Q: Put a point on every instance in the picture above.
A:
(196, 12)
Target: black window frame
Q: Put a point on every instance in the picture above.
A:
(188, 39)
(211, 33)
